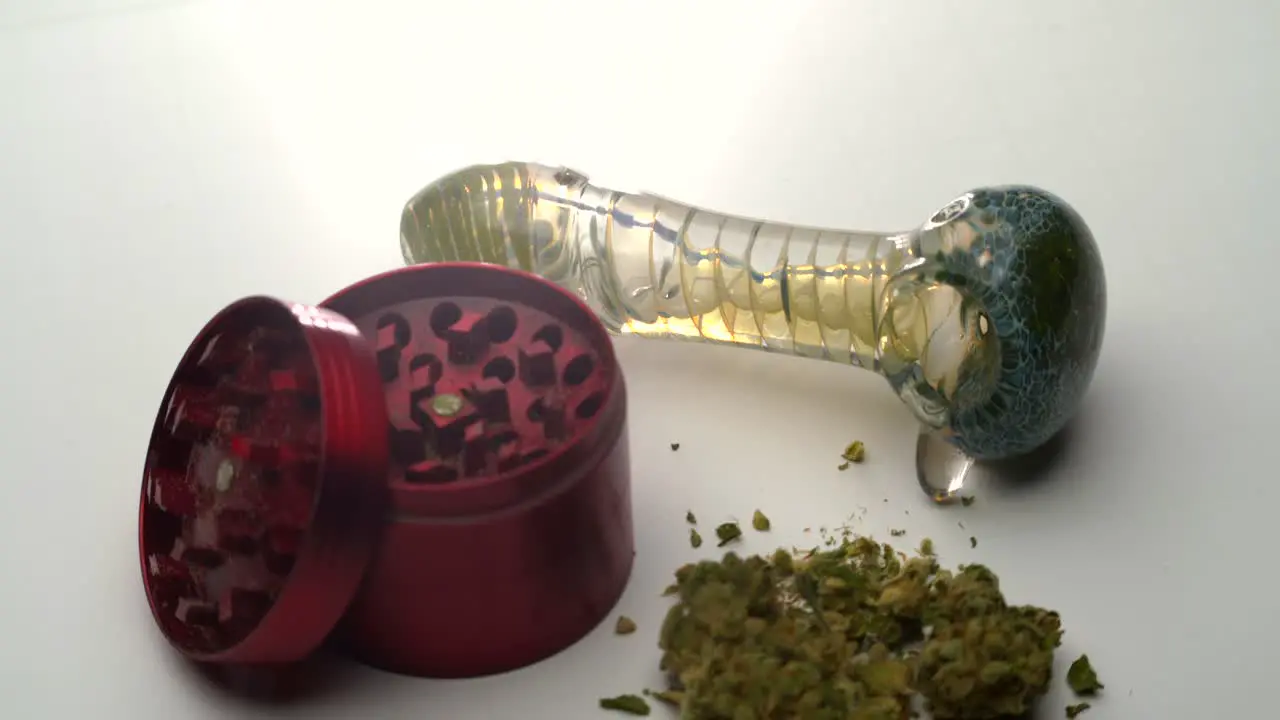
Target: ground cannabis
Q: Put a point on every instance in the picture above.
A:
(760, 522)
(630, 704)
(727, 533)
(855, 452)
(675, 446)
(1075, 710)
(973, 541)
(851, 630)
(670, 697)
(695, 539)
(624, 626)
(690, 518)
(966, 500)
(1082, 678)
(897, 533)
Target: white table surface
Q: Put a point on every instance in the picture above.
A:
(158, 160)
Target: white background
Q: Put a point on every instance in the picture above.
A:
(158, 160)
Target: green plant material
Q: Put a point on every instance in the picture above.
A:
(695, 538)
(675, 446)
(967, 500)
(998, 661)
(973, 541)
(926, 547)
(727, 533)
(855, 452)
(690, 518)
(760, 522)
(624, 626)
(897, 533)
(838, 632)
(670, 697)
(1075, 710)
(630, 704)
(1082, 678)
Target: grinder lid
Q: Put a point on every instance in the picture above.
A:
(265, 483)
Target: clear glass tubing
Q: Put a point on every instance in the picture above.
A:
(987, 319)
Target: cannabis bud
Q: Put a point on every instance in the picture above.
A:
(854, 630)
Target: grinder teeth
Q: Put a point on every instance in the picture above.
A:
(472, 392)
(230, 491)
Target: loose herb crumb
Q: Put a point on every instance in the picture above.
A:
(630, 704)
(973, 541)
(1082, 678)
(760, 522)
(695, 539)
(624, 626)
(897, 533)
(670, 697)
(1075, 710)
(727, 533)
(967, 500)
(926, 547)
(690, 518)
(675, 446)
(855, 452)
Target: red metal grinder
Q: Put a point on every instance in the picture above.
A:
(510, 533)
(262, 493)
(444, 443)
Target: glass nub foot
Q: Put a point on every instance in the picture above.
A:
(941, 467)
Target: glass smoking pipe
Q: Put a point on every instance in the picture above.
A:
(986, 320)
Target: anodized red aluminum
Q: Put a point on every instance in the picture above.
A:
(506, 543)
(262, 497)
